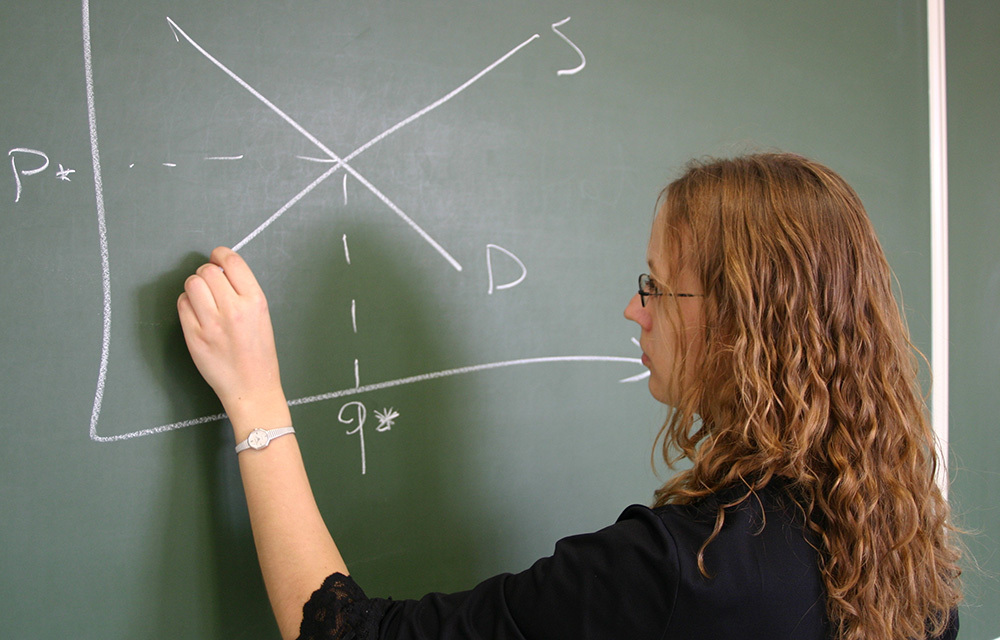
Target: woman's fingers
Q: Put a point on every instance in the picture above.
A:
(223, 294)
(215, 286)
(201, 300)
(236, 271)
(228, 329)
(186, 312)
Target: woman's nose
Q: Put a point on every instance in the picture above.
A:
(637, 313)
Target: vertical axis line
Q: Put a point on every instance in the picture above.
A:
(102, 229)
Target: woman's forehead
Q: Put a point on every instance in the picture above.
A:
(668, 247)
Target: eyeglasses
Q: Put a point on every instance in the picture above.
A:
(648, 289)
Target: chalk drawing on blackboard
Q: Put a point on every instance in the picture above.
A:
(102, 229)
(489, 269)
(337, 160)
(63, 173)
(583, 59)
(386, 419)
(390, 414)
(378, 386)
(25, 172)
(347, 252)
(239, 157)
(425, 377)
(362, 413)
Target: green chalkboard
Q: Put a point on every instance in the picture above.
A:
(974, 187)
(447, 204)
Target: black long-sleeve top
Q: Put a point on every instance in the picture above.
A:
(634, 580)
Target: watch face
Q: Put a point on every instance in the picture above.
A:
(257, 439)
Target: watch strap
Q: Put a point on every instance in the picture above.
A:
(260, 438)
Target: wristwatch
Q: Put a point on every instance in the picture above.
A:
(260, 438)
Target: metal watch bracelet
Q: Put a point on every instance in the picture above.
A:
(260, 438)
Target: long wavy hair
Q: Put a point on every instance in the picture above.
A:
(806, 371)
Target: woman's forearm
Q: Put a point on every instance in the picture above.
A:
(294, 546)
(227, 328)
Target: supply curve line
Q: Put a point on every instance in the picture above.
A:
(337, 160)
(340, 162)
(372, 142)
(375, 387)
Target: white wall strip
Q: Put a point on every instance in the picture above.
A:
(939, 228)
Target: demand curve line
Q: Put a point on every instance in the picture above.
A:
(340, 162)
(337, 163)
(377, 386)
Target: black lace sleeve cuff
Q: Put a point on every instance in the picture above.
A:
(340, 610)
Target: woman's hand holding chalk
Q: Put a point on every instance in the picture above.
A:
(228, 331)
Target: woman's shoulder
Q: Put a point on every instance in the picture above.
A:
(768, 517)
(761, 564)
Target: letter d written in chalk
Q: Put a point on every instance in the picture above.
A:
(489, 268)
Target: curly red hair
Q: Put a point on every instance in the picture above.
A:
(807, 372)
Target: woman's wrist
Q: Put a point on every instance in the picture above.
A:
(258, 411)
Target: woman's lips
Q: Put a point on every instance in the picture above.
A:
(645, 359)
